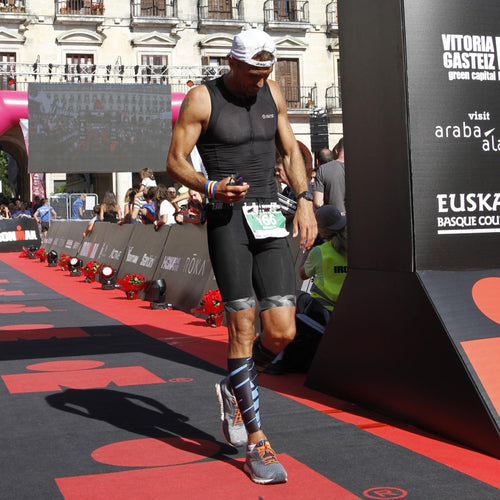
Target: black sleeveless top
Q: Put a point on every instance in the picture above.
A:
(240, 137)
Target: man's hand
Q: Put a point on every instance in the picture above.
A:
(304, 223)
(230, 193)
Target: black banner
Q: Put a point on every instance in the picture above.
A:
(106, 243)
(185, 266)
(142, 253)
(454, 113)
(18, 233)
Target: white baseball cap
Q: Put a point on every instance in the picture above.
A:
(249, 43)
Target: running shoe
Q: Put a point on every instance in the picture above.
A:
(233, 428)
(262, 465)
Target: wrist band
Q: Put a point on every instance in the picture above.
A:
(210, 188)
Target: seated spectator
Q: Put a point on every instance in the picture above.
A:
(193, 212)
(166, 211)
(110, 209)
(90, 225)
(148, 211)
(327, 263)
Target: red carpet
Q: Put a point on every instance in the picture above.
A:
(357, 437)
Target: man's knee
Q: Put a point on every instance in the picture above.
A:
(278, 327)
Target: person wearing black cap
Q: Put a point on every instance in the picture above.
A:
(236, 122)
(327, 262)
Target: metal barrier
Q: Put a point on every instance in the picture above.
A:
(62, 203)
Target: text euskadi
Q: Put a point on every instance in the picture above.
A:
(463, 203)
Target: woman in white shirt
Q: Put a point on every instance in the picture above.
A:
(166, 211)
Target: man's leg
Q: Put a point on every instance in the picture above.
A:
(261, 462)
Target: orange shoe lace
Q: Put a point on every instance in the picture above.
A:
(267, 454)
(238, 419)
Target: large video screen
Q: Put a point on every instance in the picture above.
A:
(98, 127)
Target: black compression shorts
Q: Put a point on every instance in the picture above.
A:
(244, 265)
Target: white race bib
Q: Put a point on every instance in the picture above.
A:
(265, 221)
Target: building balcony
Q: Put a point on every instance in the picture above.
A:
(17, 76)
(300, 98)
(154, 13)
(79, 12)
(289, 16)
(13, 11)
(220, 14)
(333, 99)
(332, 17)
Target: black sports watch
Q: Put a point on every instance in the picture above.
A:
(305, 194)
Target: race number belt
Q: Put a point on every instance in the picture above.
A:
(265, 220)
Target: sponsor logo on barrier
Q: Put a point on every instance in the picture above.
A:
(148, 260)
(130, 257)
(18, 235)
(171, 263)
(194, 265)
(115, 254)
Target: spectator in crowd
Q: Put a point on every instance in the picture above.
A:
(327, 263)
(110, 209)
(90, 225)
(323, 156)
(26, 210)
(181, 199)
(166, 211)
(4, 211)
(37, 202)
(172, 193)
(21, 210)
(284, 184)
(128, 208)
(147, 178)
(78, 207)
(338, 150)
(13, 209)
(148, 211)
(193, 212)
(329, 186)
(44, 215)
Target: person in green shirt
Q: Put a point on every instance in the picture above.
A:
(327, 263)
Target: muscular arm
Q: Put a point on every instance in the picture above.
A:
(304, 221)
(193, 119)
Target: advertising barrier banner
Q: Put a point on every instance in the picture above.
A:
(18, 233)
(108, 244)
(185, 266)
(142, 253)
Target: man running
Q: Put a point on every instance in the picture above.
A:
(237, 121)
